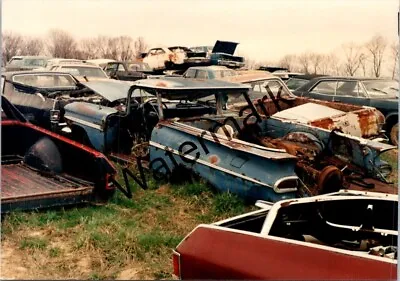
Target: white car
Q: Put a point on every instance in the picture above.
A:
(165, 58)
(82, 71)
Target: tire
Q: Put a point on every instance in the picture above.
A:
(394, 134)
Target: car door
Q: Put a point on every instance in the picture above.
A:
(351, 92)
(323, 90)
(212, 253)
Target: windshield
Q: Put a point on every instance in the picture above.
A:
(138, 67)
(382, 88)
(85, 71)
(295, 83)
(15, 61)
(45, 80)
(35, 62)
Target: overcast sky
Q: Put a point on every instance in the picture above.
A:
(265, 29)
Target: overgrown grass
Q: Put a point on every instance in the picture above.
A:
(126, 235)
(392, 157)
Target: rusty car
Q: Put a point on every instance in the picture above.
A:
(375, 92)
(276, 98)
(346, 235)
(161, 58)
(41, 169)
(255, 157)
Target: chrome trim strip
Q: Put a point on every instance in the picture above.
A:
(83, 122)
(202, 162)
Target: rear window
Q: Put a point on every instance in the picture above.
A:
(45, 80)
(295, 83)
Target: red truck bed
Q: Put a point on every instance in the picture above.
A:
(25, 188)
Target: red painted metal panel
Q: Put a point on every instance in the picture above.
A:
(217, 254)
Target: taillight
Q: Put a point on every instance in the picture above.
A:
(108, 182)
(176, 259)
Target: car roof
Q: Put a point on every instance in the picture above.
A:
(78, 65)
(312, 82)
(12, 73)
(210, 67)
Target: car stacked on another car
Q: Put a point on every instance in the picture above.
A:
(379, 93)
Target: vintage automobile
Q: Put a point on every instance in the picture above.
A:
(221, 54)
(165, 58)
(81, 71)
(346, 235)
(198, 56)
(296, 81)
(41, 96)
(255, 157)
(41, 169)
(127, 71)
(57, 61)
(208, 72)
(17, 63)
(279, 103)
(379, 93)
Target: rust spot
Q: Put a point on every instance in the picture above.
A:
(214, 159)
(161, 84)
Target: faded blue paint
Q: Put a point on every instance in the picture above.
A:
(261, 164)
(92, 119)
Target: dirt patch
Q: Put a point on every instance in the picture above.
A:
(12, 263)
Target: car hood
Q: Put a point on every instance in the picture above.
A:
(308, 112)
(225, 47)
(180, 88)
(109, 89)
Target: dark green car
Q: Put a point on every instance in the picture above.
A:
(379, 93)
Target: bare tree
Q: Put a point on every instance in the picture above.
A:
(326, 61)
(288, 62)
(394, 48)
(315, 61)
(363, 63)
(376, 46)
(304, 61)
(352, 58)
(61, 44)
(32, 46)
(140, 46)
(126, 48)
(12, 44)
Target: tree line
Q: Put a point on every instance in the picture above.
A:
(367, 59)
(61, 44)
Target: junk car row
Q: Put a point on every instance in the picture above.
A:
(307, 150)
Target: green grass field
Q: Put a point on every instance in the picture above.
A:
(124, 239)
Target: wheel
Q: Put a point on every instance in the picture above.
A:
(394, 134)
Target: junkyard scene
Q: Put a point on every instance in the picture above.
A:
(166, 140)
